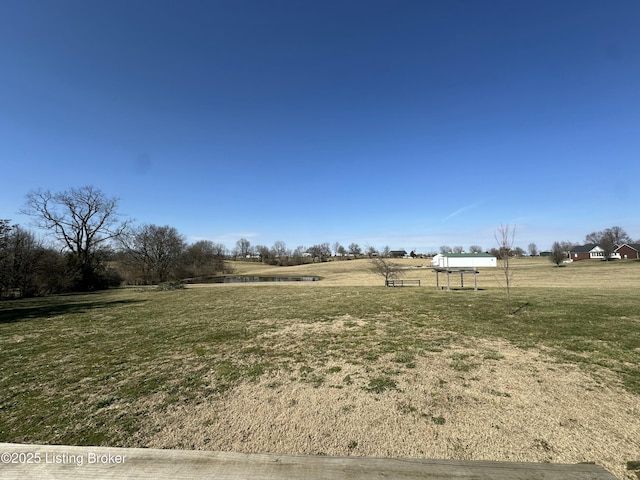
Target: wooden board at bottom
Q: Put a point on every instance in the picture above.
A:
(21, 461)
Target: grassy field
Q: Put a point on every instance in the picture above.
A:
(343, 366)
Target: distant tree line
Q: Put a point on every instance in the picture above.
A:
(279, 254)
(89, 246)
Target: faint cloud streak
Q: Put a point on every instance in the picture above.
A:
(460, 210)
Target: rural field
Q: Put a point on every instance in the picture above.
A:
(341, 366)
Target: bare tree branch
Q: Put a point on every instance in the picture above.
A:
(83, 219)
(505, 237)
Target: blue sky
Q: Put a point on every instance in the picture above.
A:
(411, 124)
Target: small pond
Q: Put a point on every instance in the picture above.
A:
(251, 278)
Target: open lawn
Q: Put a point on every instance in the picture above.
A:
(343, 366)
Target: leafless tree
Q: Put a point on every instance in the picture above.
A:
(505, 236)
(559, 253)
(475, 249)
(608, 240)
(445, 249)
(279, 249)
(22, 261)
(263, 252)
(203, 257)
(533, 249)
(382, 266)
(355, 250)
(607, 244)
(157, 251)
(243, 247)
(618, 235)
(84, 220)
(320, 251)
(593, 237)
(298, 254)
(458, 249)
(5, 228)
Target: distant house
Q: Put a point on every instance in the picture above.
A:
(589, 251)
(628, 251)
(464, 260)
(397, 253)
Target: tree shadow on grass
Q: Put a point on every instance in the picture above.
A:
(521, 307)
(51, 306)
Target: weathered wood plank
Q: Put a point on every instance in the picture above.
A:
(70, 462)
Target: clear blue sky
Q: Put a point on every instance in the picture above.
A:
(411, 124)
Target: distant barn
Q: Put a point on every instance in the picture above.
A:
(464, 260)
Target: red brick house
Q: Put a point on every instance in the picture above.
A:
(628, 251)
(586, 252)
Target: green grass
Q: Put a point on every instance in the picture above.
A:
(87, 369)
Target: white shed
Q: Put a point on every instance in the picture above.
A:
(464, 260)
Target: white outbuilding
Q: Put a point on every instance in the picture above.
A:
(464, 260)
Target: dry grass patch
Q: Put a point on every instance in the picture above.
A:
(523, 407)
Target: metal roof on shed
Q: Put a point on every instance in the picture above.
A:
(466, 255)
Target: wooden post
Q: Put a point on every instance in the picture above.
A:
(475, 281)
(461, 279)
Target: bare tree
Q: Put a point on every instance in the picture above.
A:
(280, 253)
(263, 252)
(243, 247)
(505, 236)
(22, 262)
(445, 249)
(593, 237)
(382, 266)
(157, 251)
(458, 249)
(475, 249)
(618, 235)
(84, 220)
(279, 249)
(5, 230)
(607, 244)
(355, 250)
(204, 258)
(559, 253)
(298, 254)
(320, 251)
(533, 249)
(386, 251)
(608, 240)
